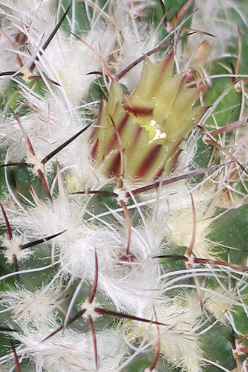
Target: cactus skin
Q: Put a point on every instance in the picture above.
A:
(139, 135)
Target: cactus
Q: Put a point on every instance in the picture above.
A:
(123, 209)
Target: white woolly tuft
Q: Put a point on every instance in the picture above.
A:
(13, 251)
(49, 126)
(72, 351)
(47, 219)
(214, 16)
(68, 61)
(133, 41)
(221, 302)
(32, 308)
(30, 16)
(8, 60)
(175, 216)
(177, 337)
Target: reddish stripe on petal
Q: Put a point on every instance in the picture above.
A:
(120, 129)
(139, 111)
(149, 161)
(115, 168)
